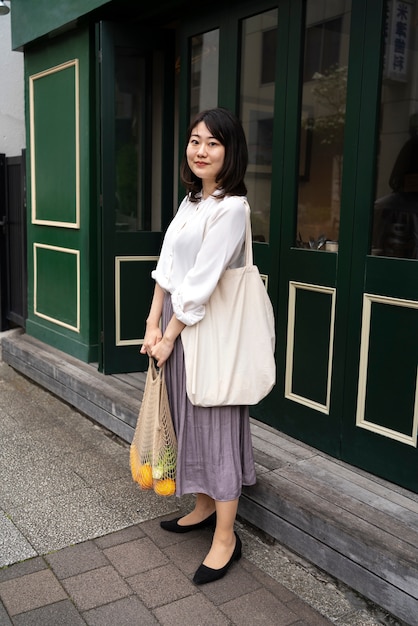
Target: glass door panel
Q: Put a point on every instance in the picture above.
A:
(395, 225)
(138, 177)
(324, 91)
(258, 72)
(130, 90)
(204, 72)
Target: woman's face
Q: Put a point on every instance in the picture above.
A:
(205, 155)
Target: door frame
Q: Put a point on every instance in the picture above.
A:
(3, 244)
(138, 246)
(13, 261)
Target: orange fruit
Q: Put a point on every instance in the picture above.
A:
(145, 476)
(134, 463)
(165, 487)
(141, 473)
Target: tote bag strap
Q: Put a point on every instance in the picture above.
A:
(248, 236)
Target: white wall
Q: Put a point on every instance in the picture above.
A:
(12, 111)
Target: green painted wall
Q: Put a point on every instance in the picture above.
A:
(32, 19)
(62, 250)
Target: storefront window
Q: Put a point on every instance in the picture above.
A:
(258, 70)
(138, 123)
(323, 105)
(204, 72)
(395, 228)
(129, 138)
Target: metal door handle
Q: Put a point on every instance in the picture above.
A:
(3, 222)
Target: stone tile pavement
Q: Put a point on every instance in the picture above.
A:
(81, 544)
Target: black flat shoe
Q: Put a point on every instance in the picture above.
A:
(173, 527)
(206, 574)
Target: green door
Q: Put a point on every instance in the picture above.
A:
(348, 288)
(314, 203)
(137, 120)
(380, 423)
(61, 247)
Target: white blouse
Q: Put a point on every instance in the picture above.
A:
(203, 239)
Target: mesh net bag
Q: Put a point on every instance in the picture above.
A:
(153, 452)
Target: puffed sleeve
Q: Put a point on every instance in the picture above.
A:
(222, 246)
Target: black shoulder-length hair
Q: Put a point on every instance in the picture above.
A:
(227, 129)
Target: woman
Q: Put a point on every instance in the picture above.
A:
(206, 236)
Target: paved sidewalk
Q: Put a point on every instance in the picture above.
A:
(81, 544)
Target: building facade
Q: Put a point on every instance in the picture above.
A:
(12, 102)
(327, 92)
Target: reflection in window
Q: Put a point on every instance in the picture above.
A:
(138, 174)
(395, 228)
(204, 72)
(129, 137)
(322, 123)
(268, 66)
(322, 47)
(258, 54)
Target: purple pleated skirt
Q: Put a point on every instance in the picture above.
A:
(215, 453)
